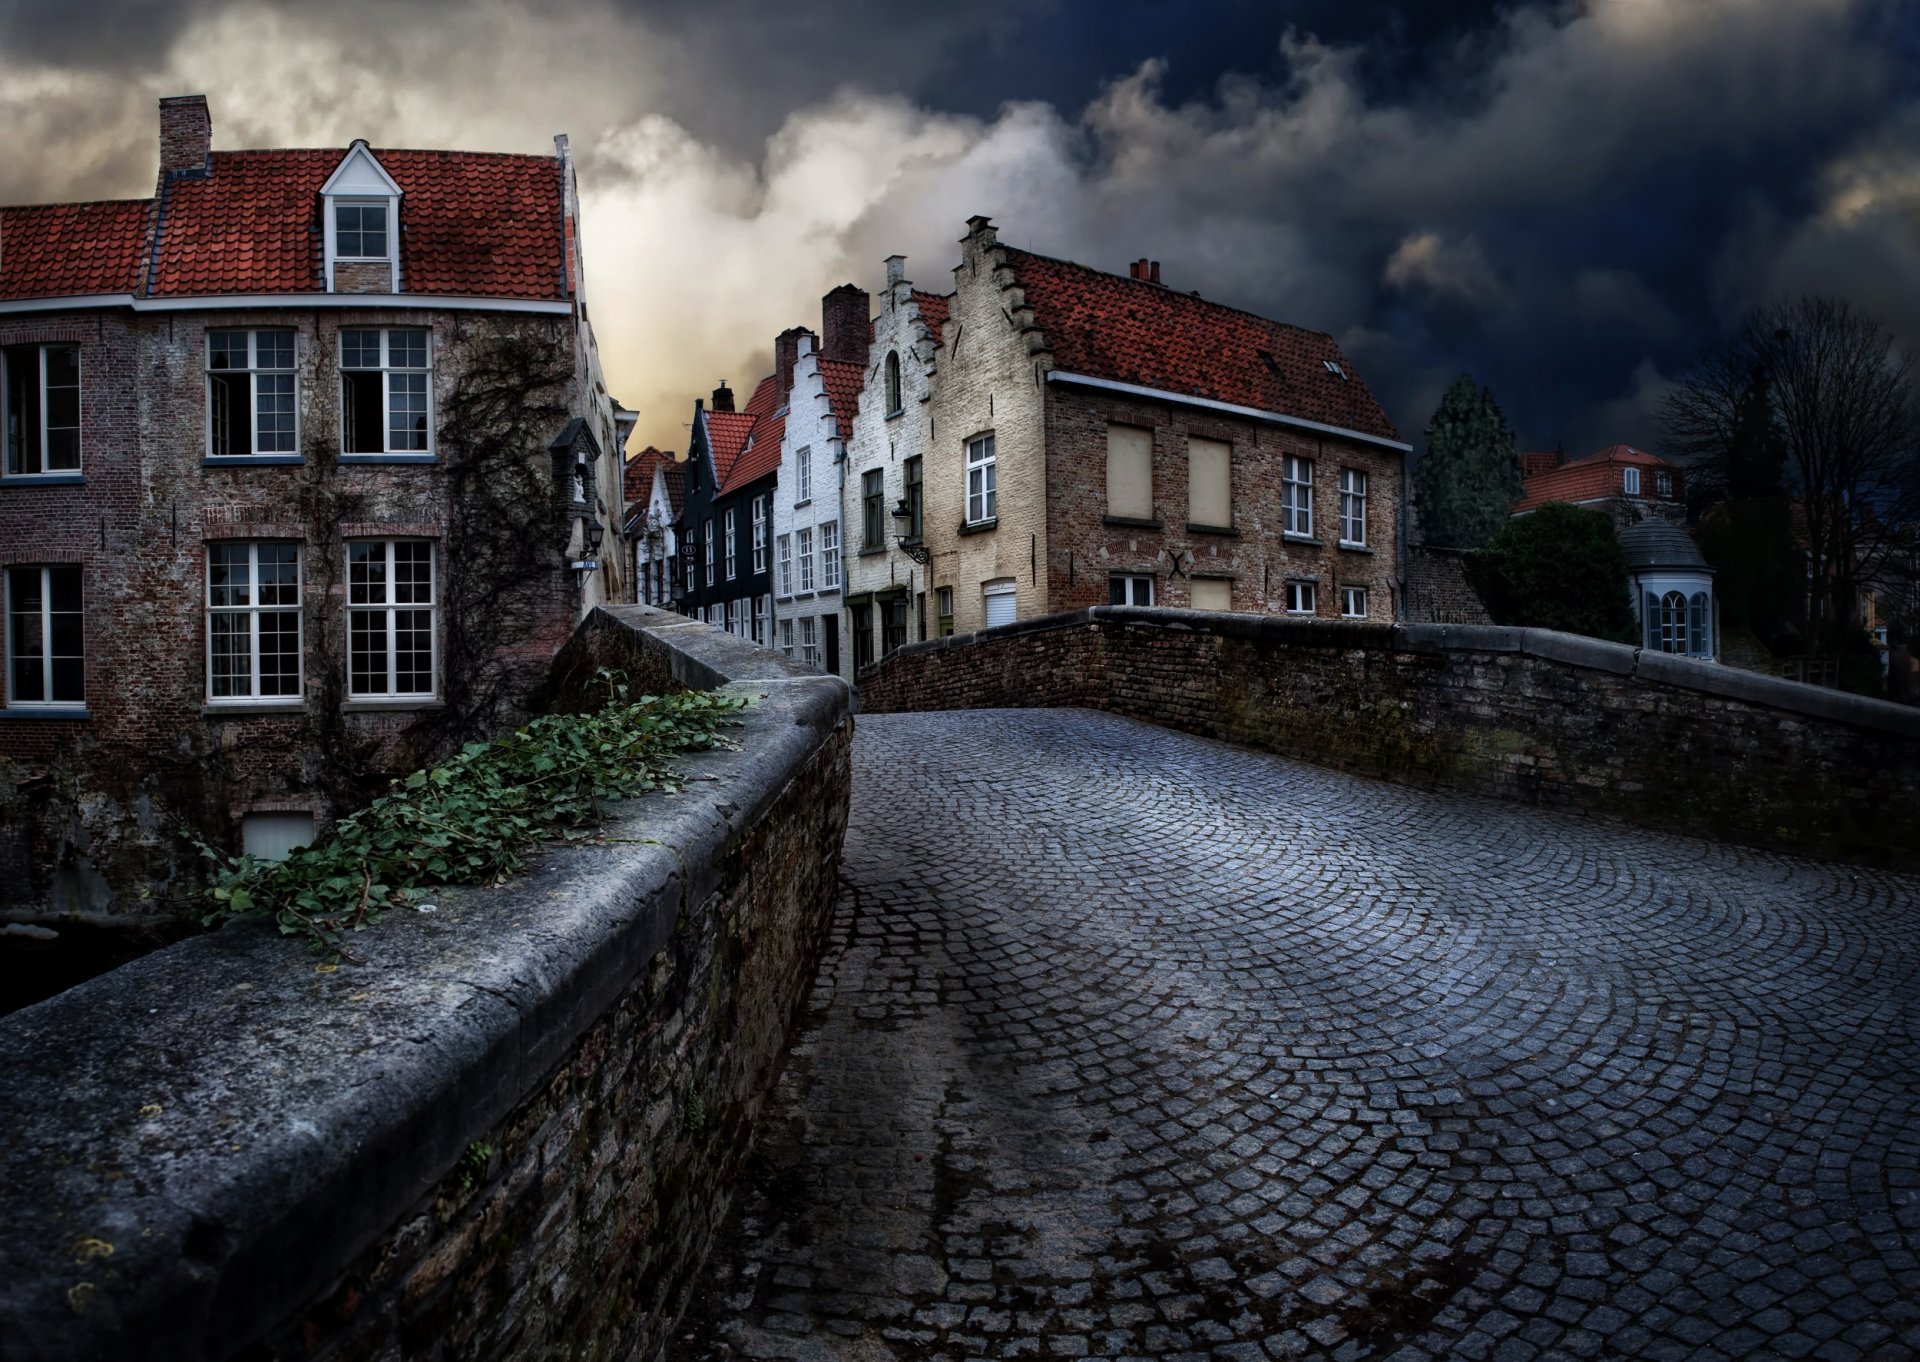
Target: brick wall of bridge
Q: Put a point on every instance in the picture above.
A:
(509, 1131)
(1519, 714)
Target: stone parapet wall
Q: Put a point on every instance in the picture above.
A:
(510, 1131)
(1523, 714)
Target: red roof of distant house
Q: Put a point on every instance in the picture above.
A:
(1594, 477)
(638, 478)
(933, 311)
(1134, 331)
(761, 455)
(472, 224)
(727, 433)
(843, 379)
(71, 249)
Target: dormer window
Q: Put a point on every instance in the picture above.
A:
(360, 231)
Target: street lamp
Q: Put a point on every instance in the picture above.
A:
(903, 518)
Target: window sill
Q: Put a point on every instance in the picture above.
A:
(389, 458)
(251, 460)
(45, 712)
(42, 480)
(1348, 546)
(798, 504)
(247, 709)
(871, 553)
(396, 704)
(979, 526)
(1193, 528)
(1307, 539)
(1133, 522)
(895, 414)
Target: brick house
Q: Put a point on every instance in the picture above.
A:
(1096, 438)
(1623, 483)
(886, 592)
(655, 488)
(302, 456)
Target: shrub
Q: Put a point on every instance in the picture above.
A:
(1558, 567)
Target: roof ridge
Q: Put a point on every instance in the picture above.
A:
(73, 203)
(1165, 290)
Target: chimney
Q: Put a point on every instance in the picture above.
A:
(186, 134)
(723, 397)
(981, 226)
(845, 317)
(1145, 270)
(786, 349)
(896, 270)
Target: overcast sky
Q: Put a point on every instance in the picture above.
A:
(1565, 198)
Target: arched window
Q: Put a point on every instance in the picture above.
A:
(893, 382)
(1673, 623)
(1699, 632)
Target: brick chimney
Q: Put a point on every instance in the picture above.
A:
(786, 350)
(186, 134)
(723, 397)
(1145, 270)
(844, 322)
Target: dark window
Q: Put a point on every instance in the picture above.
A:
(360, 231)
(893, 382)
(42, 408)
(896, 624)
(45, 636)
(383, 391)
(873, 496)
(862, 636)
(912, 471)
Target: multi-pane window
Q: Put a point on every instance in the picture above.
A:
(40, 408)
(390, 610)
(1353, 506)
(250, 408)
(803, 475)
(862, 636)
(383, 390)
(893, 383)
(873, 509)
(1630, 481)
(786, 637)
(46, 648)
(803, 550)
(1663, 484)
(762, 607)
(810, 641)
(1296, 495)
(360, 231)
(759, 534)
(1353, 602)
(786, 565)
(911, 470)
(706, 545)
(690, 581)
(1300, 598)
(1130, 589)
(982, 504)
(893, 621)
(830, 556)
(730, 545)
(253, 621)
(943, 607)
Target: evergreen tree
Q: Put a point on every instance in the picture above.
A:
(1469, 478)
(1557, 567)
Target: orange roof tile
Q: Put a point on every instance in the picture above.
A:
(843, 380)
(761, 455)
(727, 433)
(62, 250)
(1132, 331)
(933, 311)
(1593, 477)
(638, 477)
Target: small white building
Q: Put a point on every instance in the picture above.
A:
(654, 484)
(1672, 588)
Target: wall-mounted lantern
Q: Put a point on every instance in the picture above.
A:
(903, 518)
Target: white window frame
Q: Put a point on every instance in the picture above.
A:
(1296, 496)
(803, 550)
(1130, 584)
(803, 475)
(983, 480)
(762, 606)
(1353, 602)
(1353, 507)
(386, 212)
(730, 545)
(786, 637)
(391, 608)
(830, 556)
(1630, 481)
(255, 373)
(1303, 598)
(40, 350)
(893, 385)
(706, 544)
(759, 535)
(46, 571)
(785, 543)
(809, 640)
(386, 369)
(253, 611)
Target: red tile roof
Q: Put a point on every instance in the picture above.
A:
(1594, 477)
(761, 455)
(472, 224)
(766, 398)
(933, 311)
(70, 249)
(1132, 331)
(638, 477)
(843, 380)
(727, 433)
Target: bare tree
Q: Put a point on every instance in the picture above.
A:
(1825, 385)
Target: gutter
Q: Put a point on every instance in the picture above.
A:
(213, 301)
(1232, 409)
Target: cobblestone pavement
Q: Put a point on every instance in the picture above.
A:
(1132, 1044)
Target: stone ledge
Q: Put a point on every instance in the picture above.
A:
(170, 1198)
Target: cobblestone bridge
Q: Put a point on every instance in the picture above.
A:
(1132, 1044)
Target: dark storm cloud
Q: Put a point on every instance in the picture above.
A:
(1566, 197)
